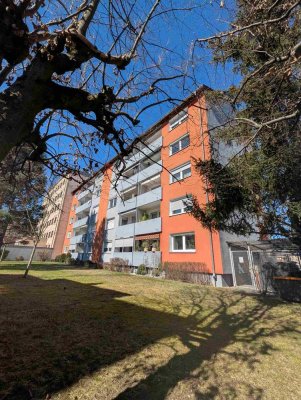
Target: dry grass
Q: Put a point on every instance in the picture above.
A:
(90, 334)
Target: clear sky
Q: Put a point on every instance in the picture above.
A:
(169, 38)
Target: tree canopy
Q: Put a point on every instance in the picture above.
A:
(258, 189)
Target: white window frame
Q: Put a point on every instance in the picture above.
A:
(178, 121)
(68, 235)
(106, 247)
(183, 211)
(183, 235)
(180, 144)
(112, 220)
(177, 170)
(114, 202)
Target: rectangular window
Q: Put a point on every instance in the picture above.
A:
(71, 220)
(107, 248)
(179, 145)
(178, 119)
(178, 206)
(69, 235)
(110, 223)
(183, 242)
(180, 173)
(112, 202)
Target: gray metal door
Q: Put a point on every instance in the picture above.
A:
(241, 266)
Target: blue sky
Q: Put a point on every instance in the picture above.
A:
(173, 35)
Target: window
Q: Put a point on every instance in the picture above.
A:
(180, 173)
(183, 242)
(178, 206)
(178, 119)
(179, 145)
(74, 207)
(110, 223)
(112, 202)
(71, 220)
(69, 235)
(107, 247)
(66, 249)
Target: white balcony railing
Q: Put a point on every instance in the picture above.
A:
(139, 228)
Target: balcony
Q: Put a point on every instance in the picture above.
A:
(78, 239)
(154, 169)
(85, 195)
(81, 222)
(84, 207)
(141, 200)
(136, 258)
(139, 228)
(152, 147)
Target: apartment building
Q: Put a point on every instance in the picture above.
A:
(142, 217)
(56, 212)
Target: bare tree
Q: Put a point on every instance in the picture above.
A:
(81, 73)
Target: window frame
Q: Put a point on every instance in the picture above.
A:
(180, 170)
(180, 120)
(183, 235)
(179, 140)
(178, 199)
(107, 223)
(114, 202)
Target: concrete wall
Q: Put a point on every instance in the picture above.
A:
(25, 251)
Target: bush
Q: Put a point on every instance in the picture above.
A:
(142, 270)
(117, 264)
(5, 254)
(193, 272)
(60, 258)
(44, 255)
(20, 258)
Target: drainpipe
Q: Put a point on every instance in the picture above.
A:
(207, 201)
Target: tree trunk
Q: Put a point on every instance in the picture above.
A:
(30, 259)
(20, 103)
(2, 253)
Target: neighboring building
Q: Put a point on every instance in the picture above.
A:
(56, 212)
(149, 224)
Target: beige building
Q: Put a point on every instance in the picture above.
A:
(57, 207)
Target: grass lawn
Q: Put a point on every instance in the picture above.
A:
(92, 334)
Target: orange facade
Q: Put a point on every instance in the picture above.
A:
(206, 255)
(69, 229)
(196, 126)
(102, 213)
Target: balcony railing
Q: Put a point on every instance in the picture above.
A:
(78, 239)
(148, 172)
(139, 228)
(152, 147)
(86, 206)
(81, 222)
(136, 258)
(141, 200)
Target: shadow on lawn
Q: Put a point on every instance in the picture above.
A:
(54, 332)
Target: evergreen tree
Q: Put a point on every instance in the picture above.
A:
(259, 188)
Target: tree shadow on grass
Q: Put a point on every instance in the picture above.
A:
(208, 337)
(52, 333)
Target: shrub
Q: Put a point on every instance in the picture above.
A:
(60, 258)
(19, 258)
(142, 270)
(194, 272)
(44, 255)
(117, 264)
